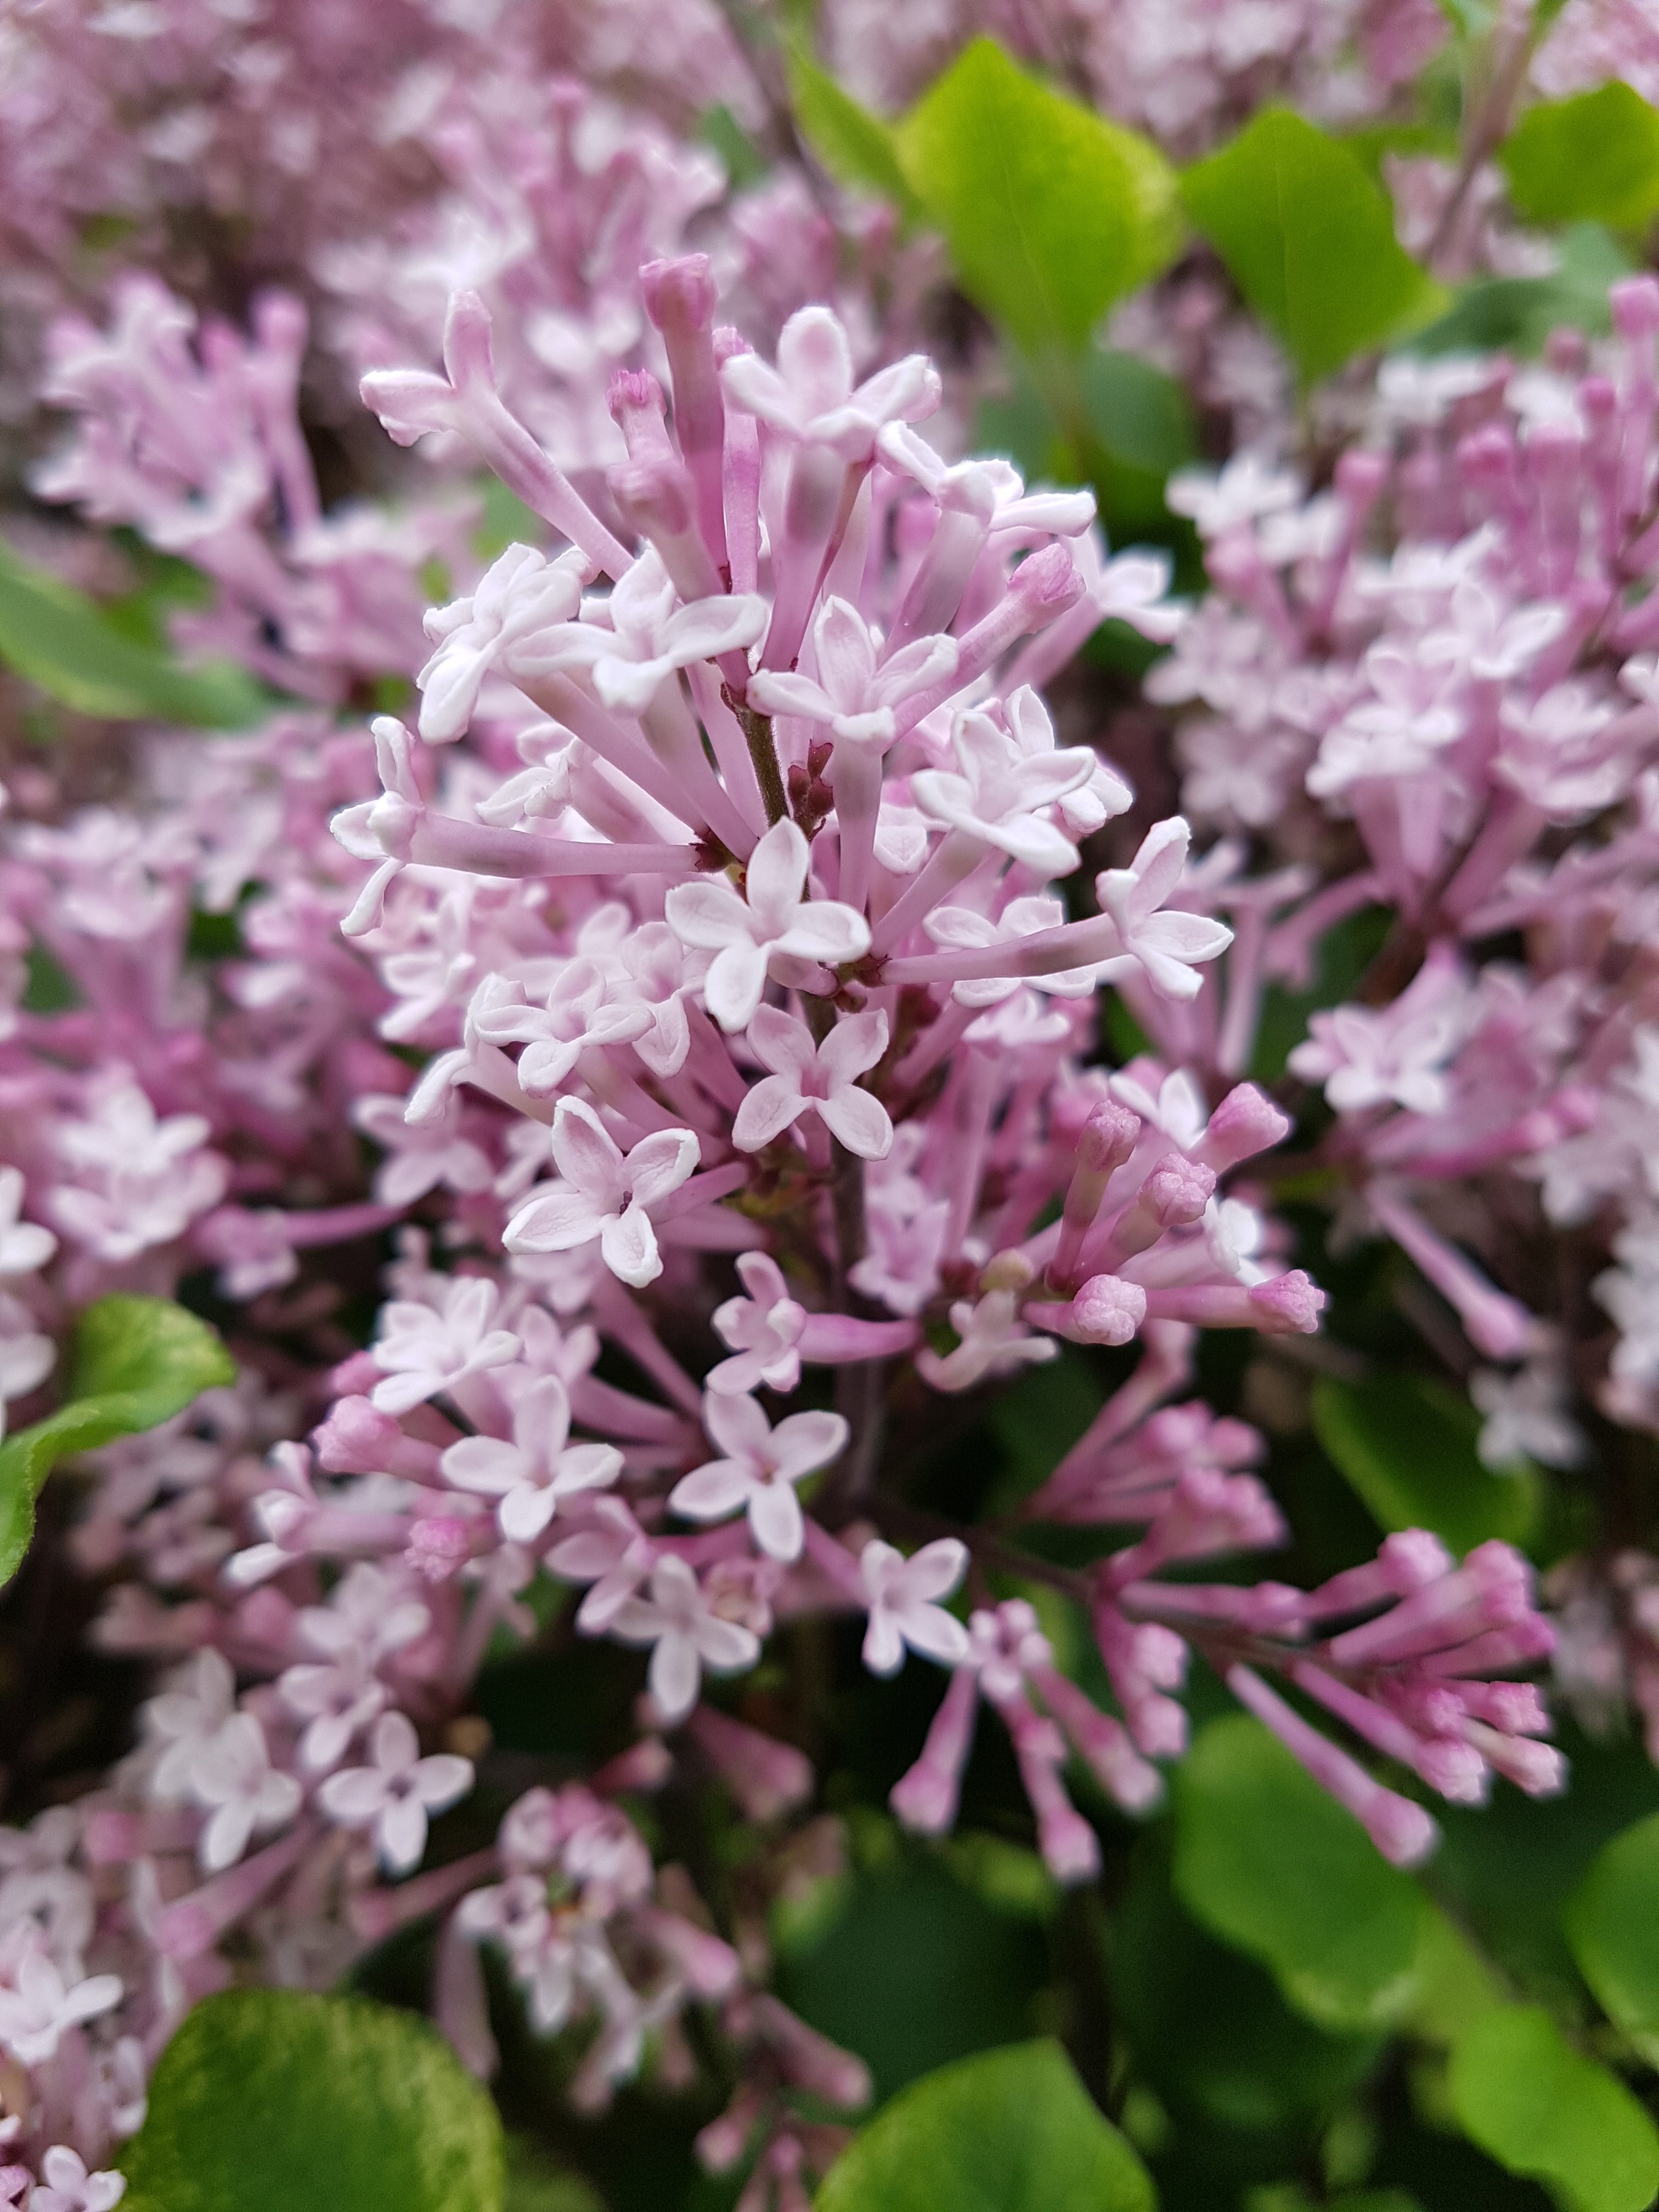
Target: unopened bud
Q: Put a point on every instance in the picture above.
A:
(1108, 1310)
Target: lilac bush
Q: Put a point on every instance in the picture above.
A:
(800, 1076)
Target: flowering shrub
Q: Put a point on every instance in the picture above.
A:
(827, 1217)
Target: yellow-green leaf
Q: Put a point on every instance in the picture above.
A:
(1051, 213)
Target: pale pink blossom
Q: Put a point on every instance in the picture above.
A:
(773, 920)
(395, 1796)
(816, 1079)
(531, 1476)
(759, 1467)
(604, 1194)
(685, 1634)
(901, 1596)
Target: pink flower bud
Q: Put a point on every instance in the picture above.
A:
(1635, 304)
(679, 294)
(1177, 1190)
(1108, 1310)
(1289, 1305)
(1107, 1138)
(357, 1438)
(1246, 1122)
(1048, 582)
(440, 1546)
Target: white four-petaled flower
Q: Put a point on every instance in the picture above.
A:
(395, 1795)
(744, 933)
(605, 1194)
(686, 1636)
(759, 1470)
(902, 1596)
(538, 1470)
(816, 1079)
(1167, 943)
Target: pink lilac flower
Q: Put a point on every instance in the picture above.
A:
(762, 1465)
(686, 1636)
(395, 1796)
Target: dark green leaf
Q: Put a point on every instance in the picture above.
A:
(1612, 1925)
(857, 148)
(1407, 1444)
(50, 988)
(1118, 424)
(1309, 239)
(1510, 1868)
(63, 641)
(1211, 2031)
(1594, 158)
(1051, 213)
(135, 1362)
(533, 2185)
(1517, 314)
(1541, 2108)
(267, 2100)
(905, 1964)
(1011, 2131)
(1271, 1864)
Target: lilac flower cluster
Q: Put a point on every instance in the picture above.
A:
(705, 1013)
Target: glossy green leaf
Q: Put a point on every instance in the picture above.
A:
(60, 640)
(1515, 314)
(1009, 2130)
(1051, 213)
(1309, 239)
(268, 2100)
(136, 1362)
(1211, 2034)
(1271, 1864)
(1541, 2108)
(1594, 158)
(1508, 1870)
(857, 148)
(1613, 1926)
(1408, 1446)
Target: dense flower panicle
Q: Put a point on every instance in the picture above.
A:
(726, 887)
(1475, 698)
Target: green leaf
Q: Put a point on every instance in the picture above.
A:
(1509, 1870)
(1591, 159)
(505, 521)
(1612, 1925)
(1541, 2108)
(1011, 2131)
(1272, 1865)
(907, 1966)
(268, 2100)
(857, 148)
(135, 1362)
(720, 129)
(1515, 314)
(1309, 239)
(1455, 1984)
(63, 641)
(1051, 213)
(1210, 2031)
(533, 2185)
(1407, 1444)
